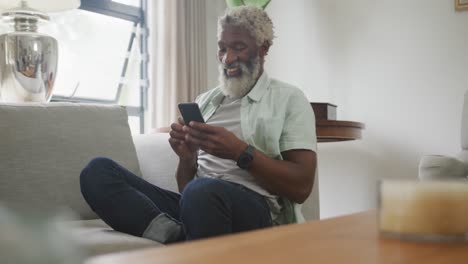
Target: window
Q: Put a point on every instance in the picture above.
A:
(100, 55)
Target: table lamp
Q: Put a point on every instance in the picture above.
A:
(28, 59)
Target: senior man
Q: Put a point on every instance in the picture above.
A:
(243, 169)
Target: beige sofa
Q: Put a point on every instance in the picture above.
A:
(44, 147)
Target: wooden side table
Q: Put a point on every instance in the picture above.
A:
(335, 130)
(329, 129)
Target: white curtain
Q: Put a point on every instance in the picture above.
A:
(178, 71)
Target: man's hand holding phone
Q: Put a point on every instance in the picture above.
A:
(185, 150)
(197, 134)
(215, 140)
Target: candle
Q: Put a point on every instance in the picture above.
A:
(430, 208)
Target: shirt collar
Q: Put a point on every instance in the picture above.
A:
(217, 98)
(259, 88)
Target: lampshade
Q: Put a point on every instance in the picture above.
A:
(41, 5)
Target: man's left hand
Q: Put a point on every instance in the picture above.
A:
(215, 140)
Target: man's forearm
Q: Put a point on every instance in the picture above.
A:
(186, 170)
(292, 178)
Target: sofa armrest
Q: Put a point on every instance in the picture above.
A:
(437, 167)
(158, 162)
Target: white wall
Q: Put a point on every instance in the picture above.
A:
(214, 8)
(398, 66)
(297, 55)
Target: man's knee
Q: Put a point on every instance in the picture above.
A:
(205, 209)
(201, 190)
(94, 172)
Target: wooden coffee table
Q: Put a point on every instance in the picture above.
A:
(348, 239)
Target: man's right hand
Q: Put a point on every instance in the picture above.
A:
(185, 150)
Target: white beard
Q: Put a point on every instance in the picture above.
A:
(236, 87)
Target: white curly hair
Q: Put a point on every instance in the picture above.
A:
(252, 18)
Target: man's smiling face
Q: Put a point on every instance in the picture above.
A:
(238, 61)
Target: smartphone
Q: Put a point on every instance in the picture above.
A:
(191, 112)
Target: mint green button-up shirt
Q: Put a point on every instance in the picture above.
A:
(275, 117)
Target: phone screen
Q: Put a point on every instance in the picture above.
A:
(190, 112)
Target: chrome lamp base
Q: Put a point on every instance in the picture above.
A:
(28, 60)
(28, 66)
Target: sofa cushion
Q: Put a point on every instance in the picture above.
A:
(157, 160)
(96, 238)
(43, 148)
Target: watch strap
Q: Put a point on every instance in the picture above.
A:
(246, 158)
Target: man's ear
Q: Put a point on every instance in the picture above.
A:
(264, 49)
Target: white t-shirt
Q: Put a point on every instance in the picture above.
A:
(228, 116)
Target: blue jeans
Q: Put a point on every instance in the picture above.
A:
(207, 207)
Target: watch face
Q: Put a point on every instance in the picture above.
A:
(245, 160)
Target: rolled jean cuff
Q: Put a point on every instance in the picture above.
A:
(164, 229)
